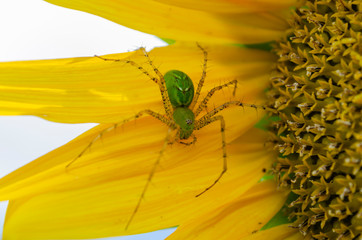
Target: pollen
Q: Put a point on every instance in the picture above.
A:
(315, 89)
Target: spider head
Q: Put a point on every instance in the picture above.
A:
(185, 118)
(180, 88)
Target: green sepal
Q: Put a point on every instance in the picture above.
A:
(281, 217)
(267, 46)
(168, 41)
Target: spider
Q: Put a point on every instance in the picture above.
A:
(181, 113)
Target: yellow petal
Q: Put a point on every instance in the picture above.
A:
(173, 22)
(284, 232)
(231, 6)
(92, 90)
(236, 219)
(97, 195)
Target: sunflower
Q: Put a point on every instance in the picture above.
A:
(314, 93)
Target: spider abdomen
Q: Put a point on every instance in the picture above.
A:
(180, 88)
(185, 118)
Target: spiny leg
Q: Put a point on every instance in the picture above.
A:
(160, 82)
(159, 74)
(209, 118)
(165, 98)
(208, 115)
(150, 176)
(202, 80)
(188, 143)
(199, 125)
(178, 140)
(158, 116)
(204, 102)
(133, 64)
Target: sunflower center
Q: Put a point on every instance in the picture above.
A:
(316, 88)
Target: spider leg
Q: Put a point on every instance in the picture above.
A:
(202, 124)
(159, 74)
(158, 116)
(202, 80)
(209, 118)
(204, 102)
(177, 138)
(187, 143)
(150, 176)
(208, 115)
(133, 64)
(160, 82)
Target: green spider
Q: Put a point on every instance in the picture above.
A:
(179, 101)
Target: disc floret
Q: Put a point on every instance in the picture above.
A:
(315, 88)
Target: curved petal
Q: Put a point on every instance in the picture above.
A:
(277, 233)
(236, 219)
(173, 22)
(97, 195)
(231, 6)
(92, 90)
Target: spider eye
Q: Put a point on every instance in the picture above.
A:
(188, 121)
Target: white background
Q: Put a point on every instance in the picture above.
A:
(33, 29)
